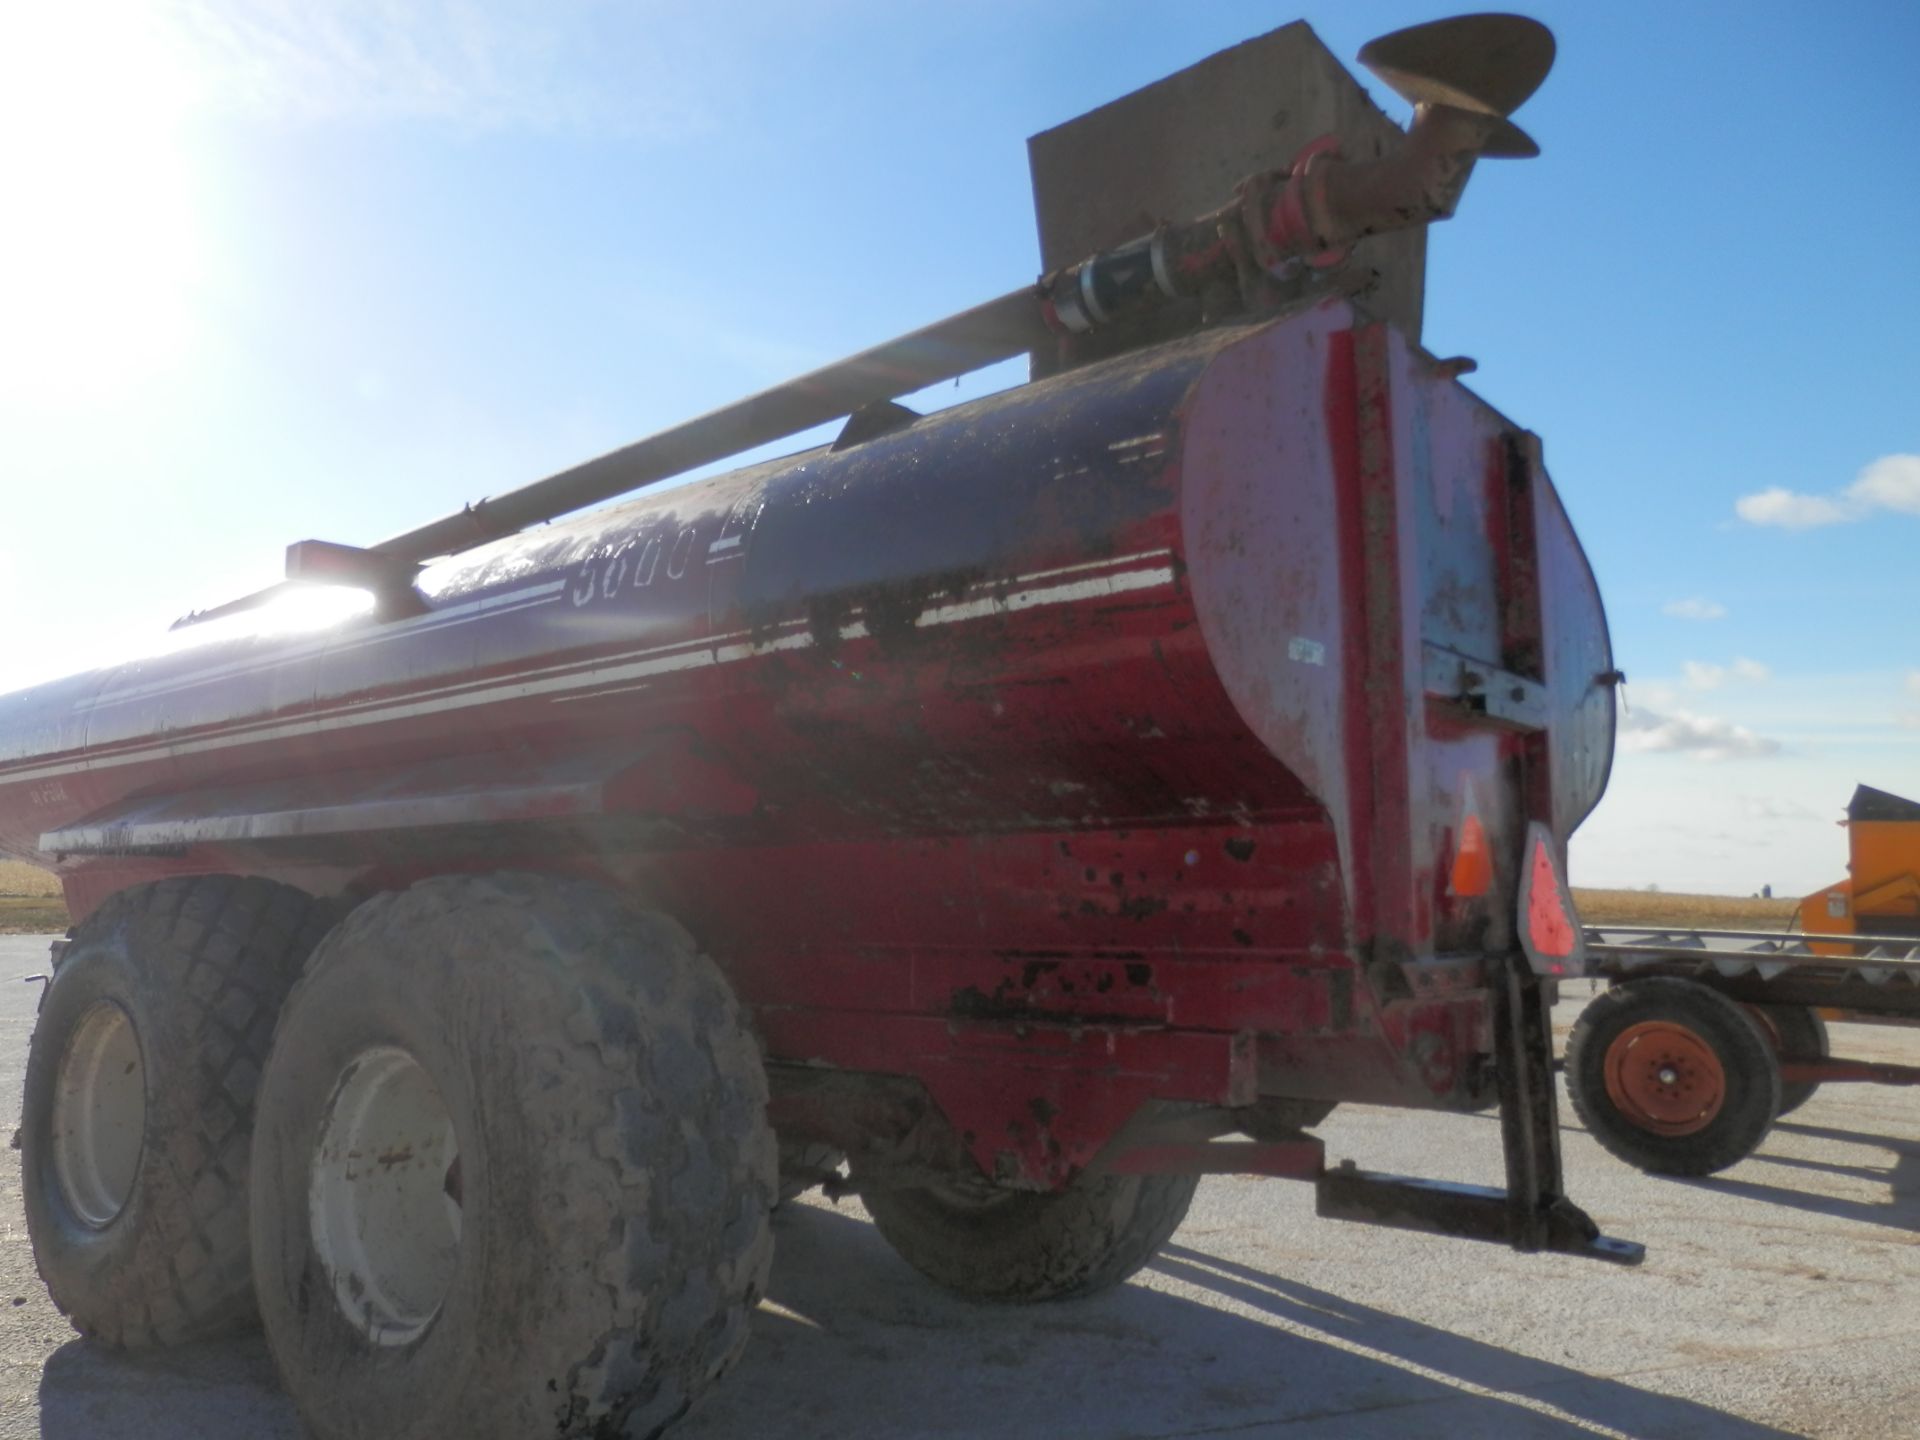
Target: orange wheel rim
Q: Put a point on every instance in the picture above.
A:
(1665, 1078)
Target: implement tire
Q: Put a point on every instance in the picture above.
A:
(513, 1170)
(137, 1120)
(1797, 1033)
(1672, 1077)
(1020, 1246)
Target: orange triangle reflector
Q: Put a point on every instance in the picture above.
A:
(1472, 861)
(1549, 927)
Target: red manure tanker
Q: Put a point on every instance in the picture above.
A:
(1009, 814)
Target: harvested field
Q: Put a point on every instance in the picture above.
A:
(30, 902)
(18, 879)
(1682, 912)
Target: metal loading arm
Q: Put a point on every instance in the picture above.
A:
(1463, 74)
(985, 335)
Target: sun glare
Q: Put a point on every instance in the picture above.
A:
(298, 610)
(98, 259)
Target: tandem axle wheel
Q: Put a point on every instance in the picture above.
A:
(1674, 1078)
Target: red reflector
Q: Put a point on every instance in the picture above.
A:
(1549, 927)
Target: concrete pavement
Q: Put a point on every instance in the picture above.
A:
(1777, 1300)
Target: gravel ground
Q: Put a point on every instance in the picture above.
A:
(1774, 1302)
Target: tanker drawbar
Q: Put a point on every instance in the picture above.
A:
(1009, 813)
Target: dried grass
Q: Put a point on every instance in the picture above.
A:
(30, 900)
(31, 915)
(1682, 912)
(19, 879)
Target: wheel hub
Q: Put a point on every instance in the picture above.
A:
(100, 1115)
(1665, 1078)
(387, 1195)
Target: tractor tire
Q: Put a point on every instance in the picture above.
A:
(512, 1171)
(137, 1119)
(1797, 1033)
(1020, 1246)
(1672, 1077)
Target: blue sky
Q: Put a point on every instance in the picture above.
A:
(273, 270)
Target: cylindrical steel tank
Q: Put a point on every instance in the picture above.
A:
(1196, 657)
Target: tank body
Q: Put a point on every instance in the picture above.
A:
(1125, 724)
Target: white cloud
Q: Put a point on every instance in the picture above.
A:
(1770, 807)
(1890, 483)
(1909, 719)
(584, 66)
(1703, 676)
(1791, 511)
(1701, 736)
(1694, 608)
(1664, 806)
(1660, 697)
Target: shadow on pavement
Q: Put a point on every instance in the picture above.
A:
(1905, 1149)
(853, 1344)
(1900, 1211)
(1465, 1387)
(211, 1391)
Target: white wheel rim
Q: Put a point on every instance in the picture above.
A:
(385, 1198)
(100, 1115)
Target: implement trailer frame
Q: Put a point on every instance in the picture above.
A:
(1871, 979)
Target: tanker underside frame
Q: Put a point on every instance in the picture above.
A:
(897, 1139)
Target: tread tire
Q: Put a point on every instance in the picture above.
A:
(1801, 1035)
(200, 966)
(1751, 1076)
(1020, 1246)
(617, 1168)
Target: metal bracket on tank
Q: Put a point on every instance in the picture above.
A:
(870, 422)
(389, 577)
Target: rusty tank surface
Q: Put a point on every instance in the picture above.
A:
(1009, 813)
